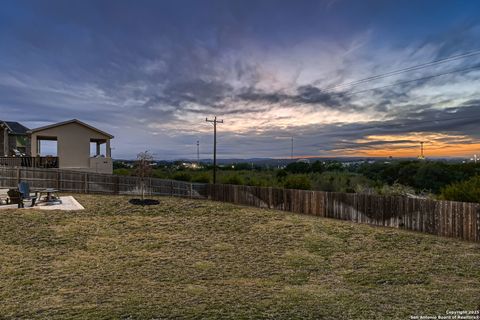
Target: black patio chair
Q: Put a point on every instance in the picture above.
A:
(25, 194)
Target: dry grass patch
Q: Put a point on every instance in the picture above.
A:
(201, 259)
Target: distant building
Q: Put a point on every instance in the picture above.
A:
(13, 139)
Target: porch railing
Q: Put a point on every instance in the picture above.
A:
(30, 162)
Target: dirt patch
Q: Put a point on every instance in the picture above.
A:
(145, 202)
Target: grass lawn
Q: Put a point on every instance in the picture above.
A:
(201, 259)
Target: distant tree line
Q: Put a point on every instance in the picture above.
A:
(451, 181)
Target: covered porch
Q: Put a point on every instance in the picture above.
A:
(78, 146)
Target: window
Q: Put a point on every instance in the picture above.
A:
(20, 148)
(93, 149)
(48, 148)
(21, 142)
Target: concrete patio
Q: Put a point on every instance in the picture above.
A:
(69, 203)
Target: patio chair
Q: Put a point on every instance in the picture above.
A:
(25, 194)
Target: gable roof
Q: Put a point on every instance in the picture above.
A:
(15, 127)
(68, 122)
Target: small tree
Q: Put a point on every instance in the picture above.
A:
(143, 169)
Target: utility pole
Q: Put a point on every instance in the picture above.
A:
(214, 121)
(291, 154)
(421, 157)
(198, 153)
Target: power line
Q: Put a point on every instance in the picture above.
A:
(404, 70)
(418, 79)
(291, 155)
(424, 121)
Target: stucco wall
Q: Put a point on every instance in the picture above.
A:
(73, 144)
(101, 165)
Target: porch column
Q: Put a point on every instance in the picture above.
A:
(5, 142)
(108, 149)
(98, 148)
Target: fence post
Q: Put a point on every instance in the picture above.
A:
(116, 186)
(150, 186)
(58, 179)
(478, 223)
(85, 182)
(18, 175)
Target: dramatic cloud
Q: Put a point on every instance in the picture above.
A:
(150, 72)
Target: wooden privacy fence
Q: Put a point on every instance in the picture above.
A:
(86, 182)
(443, 218)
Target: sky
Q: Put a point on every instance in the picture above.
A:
(150, 72)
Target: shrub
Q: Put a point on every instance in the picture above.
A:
(301, 182)
(122, 172)
(333, 166)
(364, 189)
(160, 174)
(466, 191)
(256, 182)
(202, 178)
(336, 181)
(318, 167)
(233, 179)
(396, 189)
(281, 174)
(182, 176)
(298, 167)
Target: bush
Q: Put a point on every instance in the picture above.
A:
(396, 189)
(256, 182)
(281, 174)
(122, 172)
(233, 179)
(182, 176)
(318, 167)
(333, 166)
(466, 191)
(336, 181)
(301, 182)
(298, 167)
(202, 178)
(160, 174)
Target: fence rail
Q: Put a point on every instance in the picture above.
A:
(86, 182)
(443, 218)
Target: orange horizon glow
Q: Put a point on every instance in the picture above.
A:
(457, 150)
(408, 146)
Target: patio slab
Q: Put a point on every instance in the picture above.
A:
(69, 203)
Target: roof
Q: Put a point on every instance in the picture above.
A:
(69, 122)
(15, 127)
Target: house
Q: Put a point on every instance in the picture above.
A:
(78, 146)
(13, 139)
